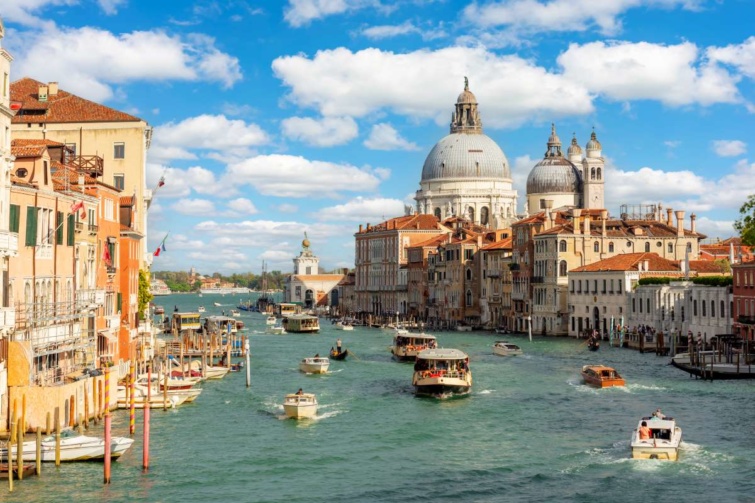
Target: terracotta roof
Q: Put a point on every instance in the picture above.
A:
(631, 262)
(624, 229)
(561, 218)
(706, 266)
(28, 151)
(504, 244)
(407, 222)
(62, 107)
(432, 242)
(22, 142)
(127, 200)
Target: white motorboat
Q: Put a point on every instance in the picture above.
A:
(155, 398)
(300, 405)
(211, 372)
(314, 365)
(73, 447)
(181, 387)
(235, 313)
(201, 309)
(662, 442)
(406, 346)
(217, 304)
(275, 329)
(442, 372)
(463, 328)
(504, 348)
(270, 320)
(342, 325)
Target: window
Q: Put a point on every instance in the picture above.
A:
(712, 308)
(670, 248)
(437, 213)
(694, 307)
(722, 311)
(31, 226)
(562, 246)
(610, 247)
(469, 274)
(70, 232)
(562, 268)
(703, 306)
(59, 228)
(647, 247)
(469, 297)
(596, 247)
(647, 305)
(119, 150)
(634, 305)
(119, 181)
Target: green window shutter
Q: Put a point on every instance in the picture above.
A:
(15, 217)
(69, 236)
(59, 228)
(118, 302)
(111, 251)
(31, 226)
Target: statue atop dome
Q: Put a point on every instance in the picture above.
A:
(466, 117)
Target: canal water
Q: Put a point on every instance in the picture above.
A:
(529, 431)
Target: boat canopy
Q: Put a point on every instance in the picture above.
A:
(442, 354)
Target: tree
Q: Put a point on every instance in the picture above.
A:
(746, 225)
(144, 294)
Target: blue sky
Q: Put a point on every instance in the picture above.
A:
(277, 117)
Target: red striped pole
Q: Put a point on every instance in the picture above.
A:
(108, 421)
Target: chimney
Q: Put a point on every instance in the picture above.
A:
(603, 218)
(668, 215)
(360, 228)
(42, 93)
(646, 265)
(53, 88)
(692, 224)
(576, 214)
(587, 224)
(679, 223)
(548, 215)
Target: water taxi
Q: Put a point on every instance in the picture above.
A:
(406, 346)
(662, 442)
(270, 320)
(342, 325)
(302, 323)
(601, 376)
(440, 372)
(275, 329)
(314, 365)
(201, 309)
(505, 348)
(300, 405)
(159, 310)
(235, 312)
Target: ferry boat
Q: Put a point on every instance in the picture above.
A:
(601, 376)
(300, 405)
(441, 372)
(225, 290)
(406, 346)
(505, 348)
(158, 287)
(663, 442)
(220, 325)
(314, 365)
(301, 323)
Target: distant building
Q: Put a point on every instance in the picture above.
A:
(743, 308)
(306, 285)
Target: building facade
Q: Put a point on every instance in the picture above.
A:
(306, 285)
(743, 306)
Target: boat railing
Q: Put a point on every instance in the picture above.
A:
(452, 374)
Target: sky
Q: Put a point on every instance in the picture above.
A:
(279, 117)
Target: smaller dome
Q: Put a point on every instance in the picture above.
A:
(574, 148)
(554, 175)
(594, 144)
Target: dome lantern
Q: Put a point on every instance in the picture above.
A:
(466, 117)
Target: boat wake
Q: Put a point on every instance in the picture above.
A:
(485, 392)
(644, 387)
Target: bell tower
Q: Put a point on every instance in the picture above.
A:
(593, 172)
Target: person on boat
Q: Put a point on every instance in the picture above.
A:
(658, 414)
(338, 345)
(644, 431)
(300, 392)
(317, 355)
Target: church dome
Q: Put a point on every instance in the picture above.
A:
(554, 173)
(594, 144)
(574, 148)
(462, 155)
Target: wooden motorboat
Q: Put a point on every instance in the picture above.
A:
(442, 372)
(663, 442)
(601, 376)
(73, 447)
(505, 348)
(338, 355)
(406, 346)
(314, 365)
(300, 405)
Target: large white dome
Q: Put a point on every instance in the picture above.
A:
(465, 155)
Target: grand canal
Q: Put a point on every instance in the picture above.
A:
(530, 430)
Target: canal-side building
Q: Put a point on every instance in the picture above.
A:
(743, 301)
(306, 286)
(418, 285)
(495, 294)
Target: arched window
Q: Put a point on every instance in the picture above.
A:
(598, 173)
(694, 307)
(689, 247)
(437, 213)
(562, 268)
(592, 173)
(722, 312)
(470, 214)
(596, 247)
(469, 274)
(610, 247)
(647, 247)
(562, 246)
(484, 215)
(469, 297)
(671, 248)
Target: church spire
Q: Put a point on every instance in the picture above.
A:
(466, 117)
(554, 144)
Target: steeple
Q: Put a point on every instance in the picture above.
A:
(466, 118)
(554, 144)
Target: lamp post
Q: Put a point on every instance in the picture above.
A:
(529, 326)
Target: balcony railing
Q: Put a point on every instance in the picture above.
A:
(746, 320)
(79, 226)
(92, 229)
(91, 165)
(111, 270)
(8, 243)
(536, 279)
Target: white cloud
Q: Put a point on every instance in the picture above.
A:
(424, 84)
(196, 207)
(561, 15)
(110, 7)
(672, 143)
(716, 228)
(741, 56)
(363, 210)
(231, 138)
(326, 132)
(287, 208)
(673, 74)
(389, 31)
(729, 148)
(181, 182)
(22, 11)
(294, 176)
(76, 57)
(385, 137)
(242, 205)
(302, 12)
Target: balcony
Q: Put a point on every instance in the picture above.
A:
(7, 317)
(92, 229)
(79, 226)
(494, 273)
(746, 320)
(91, 165)
(111, 270)
(8, 243)
(537, 279)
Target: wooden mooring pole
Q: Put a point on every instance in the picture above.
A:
(108, 422)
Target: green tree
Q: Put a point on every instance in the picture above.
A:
(746, 225)
(144, 295)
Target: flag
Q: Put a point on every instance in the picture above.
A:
(83, 215)
(106, 255)
(161, 182)
(77, 206)
(161, 247)
(157, 252)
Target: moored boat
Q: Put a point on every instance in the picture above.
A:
(159, 310)
(406, 346)
(301, 323)
(505, 348)
(442, 372)
(314, 365)
(73, 447)
(660, 442)
(601, 376)
(300, 405)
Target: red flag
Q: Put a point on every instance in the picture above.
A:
(157, 252)
(83, 215)
(77, 206)
(161, 182)
(106, 255)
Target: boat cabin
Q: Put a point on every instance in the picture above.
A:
(220, 325)
(287, 309)
(184, 322)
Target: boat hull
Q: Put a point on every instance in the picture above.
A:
(427, 384)
(79, 448)
(663, 444)
(300, 411)
(310, 368)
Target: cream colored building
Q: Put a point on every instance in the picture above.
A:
(90, 130)
(497, 284)
(466, 173)
(306, 285)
